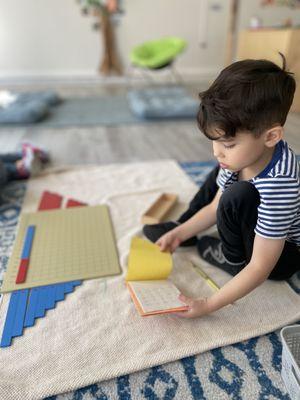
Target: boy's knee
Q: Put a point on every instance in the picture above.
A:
(240, 194)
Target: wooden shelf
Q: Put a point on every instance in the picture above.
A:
(266, 44)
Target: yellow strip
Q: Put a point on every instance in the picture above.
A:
(208, 280)
(147, 262)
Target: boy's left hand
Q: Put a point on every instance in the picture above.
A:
(197, 307)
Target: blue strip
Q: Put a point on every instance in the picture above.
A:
(10, 319)
(41, 302)
(28, 241)
(69, 287)
(29, 317)
(59, 292)
(28, 304)
(20, 315)
(46, 297)
(50, 300)
(77, 283)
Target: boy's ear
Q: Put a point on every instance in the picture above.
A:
(273, 136)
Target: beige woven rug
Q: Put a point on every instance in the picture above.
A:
(96, 333)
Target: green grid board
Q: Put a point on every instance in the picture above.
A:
(69, 244)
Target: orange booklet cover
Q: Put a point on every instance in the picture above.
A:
(148, 270)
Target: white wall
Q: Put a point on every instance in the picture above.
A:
(47, 38)
(41, 37)
(52, 38)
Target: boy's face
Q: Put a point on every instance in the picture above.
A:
(243, 151)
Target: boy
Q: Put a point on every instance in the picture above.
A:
(253, 195)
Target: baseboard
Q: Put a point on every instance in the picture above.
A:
(90, 77)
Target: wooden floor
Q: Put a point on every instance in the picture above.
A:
(179, 140)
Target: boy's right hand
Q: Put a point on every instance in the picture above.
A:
(169, 241)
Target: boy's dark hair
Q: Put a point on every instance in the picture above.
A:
(250, 95)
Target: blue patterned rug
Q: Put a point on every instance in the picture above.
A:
(246, 370)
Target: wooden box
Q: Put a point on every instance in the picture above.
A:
(159, 209)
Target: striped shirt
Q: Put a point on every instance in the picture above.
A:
(279, 189)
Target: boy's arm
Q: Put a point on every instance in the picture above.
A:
(265, 255)
(203, 219)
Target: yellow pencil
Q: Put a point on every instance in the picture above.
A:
(208, 280)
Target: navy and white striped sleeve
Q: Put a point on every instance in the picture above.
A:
(222, 178)
(279, 205)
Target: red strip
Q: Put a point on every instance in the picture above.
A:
(74, 203)
(23, 266)
(50, 201)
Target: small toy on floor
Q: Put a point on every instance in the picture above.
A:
(33, 159)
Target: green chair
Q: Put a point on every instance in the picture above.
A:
(157, 54)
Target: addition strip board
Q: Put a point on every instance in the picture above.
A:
(28, 304)
(72, 244)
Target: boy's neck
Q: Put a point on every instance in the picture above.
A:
(253, 170)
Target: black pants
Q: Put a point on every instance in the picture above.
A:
(236, 221)
(9, 162)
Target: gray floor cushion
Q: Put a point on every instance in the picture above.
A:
(28, 108)
(162, 102)
(49, 98)
(23, 113)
